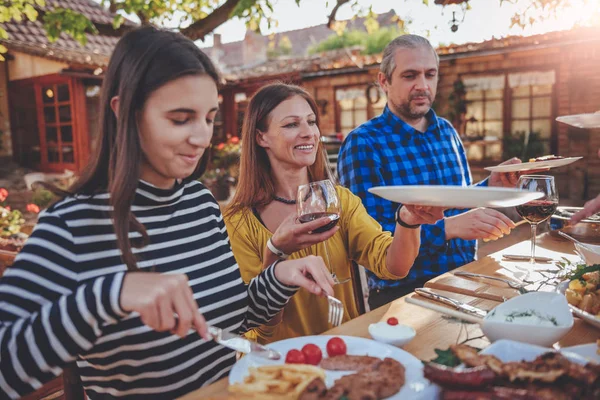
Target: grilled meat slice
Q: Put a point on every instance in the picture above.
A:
(348, 363)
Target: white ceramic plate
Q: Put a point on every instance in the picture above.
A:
(509, 350)
(591, 120)
(455, 196)
(589, 253)
(416, 386)
(587, 317)
(588, 351)
(497, 324)
(528, 166)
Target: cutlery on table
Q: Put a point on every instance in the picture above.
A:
(238, 343)
(572, 239)
(445, 310)
(518, 257)
(512, 284)
(466, 308)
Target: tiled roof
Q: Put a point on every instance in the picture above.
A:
(342, 59)
(515, 42)
(30, 37)
(332, 60)
(301, 39)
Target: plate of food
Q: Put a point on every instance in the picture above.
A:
(589, 120)
(583, 294)
(539, 163)
(332, 366)
(455, 196)
(589, 351)
(514, 370)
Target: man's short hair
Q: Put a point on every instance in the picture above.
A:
(388, 62)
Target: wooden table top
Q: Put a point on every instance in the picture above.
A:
(433, 331)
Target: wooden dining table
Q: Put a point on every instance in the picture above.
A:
(436, 332)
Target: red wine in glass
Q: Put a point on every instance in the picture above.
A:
(334, 217)
(537, 211)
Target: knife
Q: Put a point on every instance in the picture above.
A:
(454, 303)
(238, 343)
(517, 257)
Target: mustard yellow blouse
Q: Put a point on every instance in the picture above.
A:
(360, 238)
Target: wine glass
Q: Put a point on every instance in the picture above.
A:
(317, 200)
(541, 209)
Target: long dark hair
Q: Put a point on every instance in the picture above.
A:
(143, 60)
(256, 187)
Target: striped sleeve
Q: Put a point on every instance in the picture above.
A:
(46, 317)
(267, 296)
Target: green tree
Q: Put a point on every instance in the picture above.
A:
(197, 18)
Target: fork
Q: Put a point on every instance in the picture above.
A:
(512, 284)
(336, 311)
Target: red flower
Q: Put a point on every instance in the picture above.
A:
(33, 208)
(235, 140)
(3, 194)
(7, 208)
(221, 146)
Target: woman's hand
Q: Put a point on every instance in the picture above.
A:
(292, 235)
(308, 272)
(415, 214)
(164, 302)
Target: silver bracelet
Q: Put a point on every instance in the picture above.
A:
(276, 251)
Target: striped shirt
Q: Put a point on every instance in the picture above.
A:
(59, 302)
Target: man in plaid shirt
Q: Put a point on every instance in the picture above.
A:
(410, 145)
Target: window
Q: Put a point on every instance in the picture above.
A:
(503, 105)
(57, 125)
(356, 105)
(531, 105)
(485, 117)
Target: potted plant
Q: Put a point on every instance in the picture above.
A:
(12, 224)
(223, 169)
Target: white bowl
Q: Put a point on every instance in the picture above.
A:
(541, 331)
(589, 252)
(396, 335)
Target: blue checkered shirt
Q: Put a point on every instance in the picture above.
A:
(387, 151)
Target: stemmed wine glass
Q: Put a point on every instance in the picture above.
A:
(541, 209)
(317, 200)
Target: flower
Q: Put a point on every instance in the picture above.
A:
(33, 208)
(3, 194)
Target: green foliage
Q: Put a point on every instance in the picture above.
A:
(70, 22)
(42, 197)
(580, 270)
(345, 40)
(282, 48)
(11, 222)
(457, 104)
(183, 13)
(446, 357)
(514, 146)
(15, 10)
(371, 43)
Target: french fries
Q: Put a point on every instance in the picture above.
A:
(285, 381)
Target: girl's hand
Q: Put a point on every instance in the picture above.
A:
(164, 302)
(308, 272)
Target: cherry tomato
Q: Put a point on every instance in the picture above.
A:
(392, 321)
(336, 347)
(312, 353)
(295, 357)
